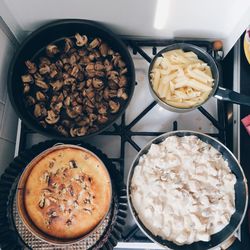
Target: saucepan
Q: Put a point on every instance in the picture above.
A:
(241, 195)
(217, 91)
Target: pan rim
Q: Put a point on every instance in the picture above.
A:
(131, 172)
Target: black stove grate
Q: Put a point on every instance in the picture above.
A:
(124, 131)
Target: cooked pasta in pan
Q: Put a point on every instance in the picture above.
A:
(181, 79)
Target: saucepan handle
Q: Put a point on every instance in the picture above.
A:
(232, 96)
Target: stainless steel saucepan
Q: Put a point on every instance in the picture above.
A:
(217, 91)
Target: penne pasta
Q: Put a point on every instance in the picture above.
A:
(181, 79)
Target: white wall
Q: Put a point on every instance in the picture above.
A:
(213, 19)
(8, 119)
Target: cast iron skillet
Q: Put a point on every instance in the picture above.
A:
(241, 195)
(54, 32)
(217, 91)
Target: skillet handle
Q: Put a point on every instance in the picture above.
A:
(232, 96)
(237, 245)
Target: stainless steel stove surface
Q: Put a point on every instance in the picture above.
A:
(131, 133)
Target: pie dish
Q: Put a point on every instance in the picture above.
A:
(64, 193)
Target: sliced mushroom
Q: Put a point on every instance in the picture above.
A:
(80, 85)
(69, 81)
(74, 71)
(90, 66)
(99, 66)
(53, 70)
(112, 84)
(65, 60)
(41, 84)
(62, 130)
(113, 93)
(66, 123)
(106, 93)
(31, 67)
(108, 65)
(26, 88)
(60, 97)
(81, 131)
(84, 60)
(27, 78)
(93, 129)
(89, 110)
(67, 68)
(91, 56)
(110, 52)
(52, 117)
(102, 109)
(113, 75)
(122, 94)
(95, 43)
(82, 52)
(57, 85)
(122, 81)
(57, 107)
(59, 64)
(67, 101)
(77, 109)
(44, 69)
(37, 76)
(97, 54)
(90, 104)
(72, 60)
(72, 114)
(51, 50)
(114, 106)
(81, 40)
(91, 73)
(82, 121)
(40, 96)
(102, 119)
(68, 45)
(99, 73)
(30, 100)
(44, 61)
(123, 71)
(117, 61)
(97, 83)
(92, 117)
(104, 49)
(37, 110)
(73, 132)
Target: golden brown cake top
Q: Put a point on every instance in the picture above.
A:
(68, 193)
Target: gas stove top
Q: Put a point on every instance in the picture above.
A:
(143, 120)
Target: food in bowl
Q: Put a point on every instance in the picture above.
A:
(75, 86)
(181, 79)
(67, 193)
(183, 190)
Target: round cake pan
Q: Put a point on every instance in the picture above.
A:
(21, 206)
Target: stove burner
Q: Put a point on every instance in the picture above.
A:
(125, 132)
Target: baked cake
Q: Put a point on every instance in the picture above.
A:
(68, 193)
